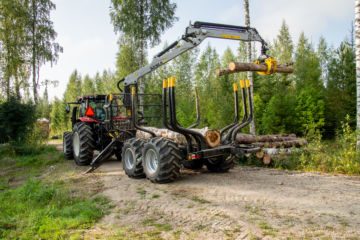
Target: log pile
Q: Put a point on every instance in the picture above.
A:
(235, 67)
(275, 143)
(212, 137)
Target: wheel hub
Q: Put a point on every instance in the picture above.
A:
(76, 144)
(129, 158)
(151, 161)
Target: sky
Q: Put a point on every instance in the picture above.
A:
(90, 44)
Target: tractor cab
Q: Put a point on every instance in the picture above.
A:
(92, 107)
(88, 109)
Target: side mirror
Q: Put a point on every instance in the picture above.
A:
(67, 108)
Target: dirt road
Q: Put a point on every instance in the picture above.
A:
(246, 203)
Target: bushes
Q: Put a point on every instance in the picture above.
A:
(338, 156)
(16, 121)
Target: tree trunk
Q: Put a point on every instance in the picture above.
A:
(357, 47)
(34, 72)
(141, 83)
(249, 74)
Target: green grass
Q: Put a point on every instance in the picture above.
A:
(37, 207)
(38, 210)
(17, 164)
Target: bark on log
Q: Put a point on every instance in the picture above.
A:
(212, 137)
(253, 67)
(248, 138)
(285, 144)
(222, 72)
(235, 67)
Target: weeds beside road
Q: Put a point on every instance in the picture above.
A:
(38, 199)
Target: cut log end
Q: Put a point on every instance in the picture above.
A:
(267, 159)
(212, 138)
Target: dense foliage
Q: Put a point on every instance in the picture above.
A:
(27, 41)
(16, 121)
(315, 99)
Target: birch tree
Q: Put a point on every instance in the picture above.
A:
(249, 59)
(357, 43)
(144, 21)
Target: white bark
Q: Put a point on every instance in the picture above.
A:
(357, 47)
(248, 53)
(212, 137)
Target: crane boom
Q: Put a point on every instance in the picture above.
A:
(194, 35)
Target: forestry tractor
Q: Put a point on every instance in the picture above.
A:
(91, 119)
(159, 153)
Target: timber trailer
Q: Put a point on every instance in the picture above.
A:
(159, 158)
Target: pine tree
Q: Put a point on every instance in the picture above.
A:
(309, 88)
(73, 88)
(58, 117)
(283, 47)
(99, 84)
(144, 21)
(204, 79)
(341, 88)
(183, 68)
(273, 90)
(323, 53)
(88, 86)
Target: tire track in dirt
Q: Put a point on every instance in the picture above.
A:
(242, 204)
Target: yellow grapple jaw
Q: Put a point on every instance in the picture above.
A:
(271, 65)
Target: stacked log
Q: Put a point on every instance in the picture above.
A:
(272, 142)
(212, 137)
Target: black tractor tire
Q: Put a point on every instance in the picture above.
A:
(161, 160)
(194, 164)
(221, 164)
(67, 145)
(83, 144)
(132, 158)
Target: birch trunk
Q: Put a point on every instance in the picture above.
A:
(248, 52)
(357, 47)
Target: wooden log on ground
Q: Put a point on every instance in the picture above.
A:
(260, 154)
(212, 137)
(248, 138)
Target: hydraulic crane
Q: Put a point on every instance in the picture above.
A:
(160, 159)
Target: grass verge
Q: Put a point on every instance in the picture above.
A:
(36, 207)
